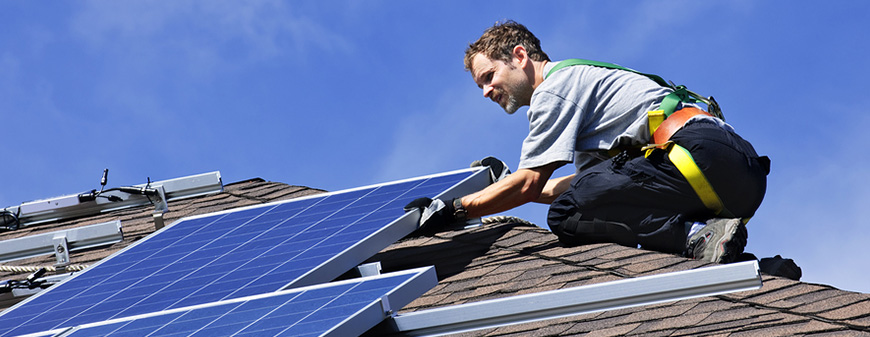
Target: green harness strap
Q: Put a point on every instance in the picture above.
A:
(679, 156)
(669, 103)
(582, 62)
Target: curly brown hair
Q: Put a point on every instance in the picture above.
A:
(498, 42)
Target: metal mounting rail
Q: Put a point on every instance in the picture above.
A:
(579, 300)
(60, 243)
(72, 206)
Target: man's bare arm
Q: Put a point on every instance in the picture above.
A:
(554, 188)
(521, 187)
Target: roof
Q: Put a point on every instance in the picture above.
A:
(503, 259)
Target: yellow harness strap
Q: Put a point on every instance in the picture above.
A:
(656, 118)
(682, 159)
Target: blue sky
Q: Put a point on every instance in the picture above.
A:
(339, 94)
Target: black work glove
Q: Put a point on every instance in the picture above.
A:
(435, 214)
(497, 168)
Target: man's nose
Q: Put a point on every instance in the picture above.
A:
(487, 91)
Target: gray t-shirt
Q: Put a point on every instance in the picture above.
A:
(580, 112)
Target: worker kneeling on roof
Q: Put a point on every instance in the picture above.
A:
(653, 168)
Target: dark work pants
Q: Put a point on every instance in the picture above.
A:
(646, 201)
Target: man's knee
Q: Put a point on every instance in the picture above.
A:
(574, 231)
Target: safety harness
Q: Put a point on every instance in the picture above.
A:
(663, 123)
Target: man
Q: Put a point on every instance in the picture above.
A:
(583, 114)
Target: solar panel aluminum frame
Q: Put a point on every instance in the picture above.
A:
(645, 290)
(420, 280)
(364, 248)
(399, 228)
(374, 243)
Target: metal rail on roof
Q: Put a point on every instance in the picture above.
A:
(61, 242)
(156, 193)
(579, 300)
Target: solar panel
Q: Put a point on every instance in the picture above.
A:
(238, 253)
(346, 308)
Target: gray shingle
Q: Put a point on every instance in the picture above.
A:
(502, 260)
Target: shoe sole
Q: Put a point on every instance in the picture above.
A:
(726, 248)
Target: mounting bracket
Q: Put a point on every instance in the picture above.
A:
(73, 206)
(61, 242)
(61, 249)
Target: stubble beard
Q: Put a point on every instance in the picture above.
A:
(513, 102)
(512, 105)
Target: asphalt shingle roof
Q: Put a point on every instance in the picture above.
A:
(503, 259)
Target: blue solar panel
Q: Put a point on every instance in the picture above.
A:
(346, 308)
(235, 254)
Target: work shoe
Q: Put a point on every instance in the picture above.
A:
(720, 241)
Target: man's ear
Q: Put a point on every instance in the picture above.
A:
(519, 56)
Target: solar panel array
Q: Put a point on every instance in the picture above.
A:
(342, 309)
(234, 254)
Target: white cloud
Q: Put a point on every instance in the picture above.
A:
(206, 34)
(31, 122)
(814, 209)
(9, 71)
(459, 128)
(646, 30)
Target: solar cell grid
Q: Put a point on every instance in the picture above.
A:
(226, 255)
(345, 306)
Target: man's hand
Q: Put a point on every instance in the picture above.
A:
(435, 214)
(497, 168)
